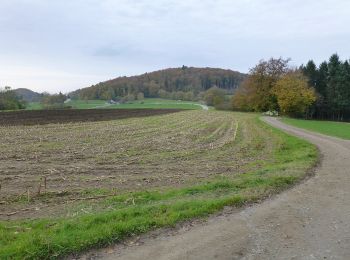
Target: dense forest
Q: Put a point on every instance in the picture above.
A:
(331, 81)
(184, 83)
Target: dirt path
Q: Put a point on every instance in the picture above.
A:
(310, 221)
(204, 107)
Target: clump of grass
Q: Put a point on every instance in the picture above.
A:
(137, 212)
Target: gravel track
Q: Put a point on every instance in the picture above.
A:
(309, 221)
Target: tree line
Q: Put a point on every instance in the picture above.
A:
(186, 83)
(309, 91)
(54, 101)
(331, 82)
(9, 100)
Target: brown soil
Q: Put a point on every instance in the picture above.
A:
(35, 117)
(82, 161)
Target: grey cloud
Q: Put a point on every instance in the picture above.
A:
(108, 38)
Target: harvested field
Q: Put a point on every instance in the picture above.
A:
(35, 117)
(68, 187)
(134, 154)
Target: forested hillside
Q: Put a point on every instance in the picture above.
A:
(184, 83)
(28, 95)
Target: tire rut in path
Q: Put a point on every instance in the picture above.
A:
(309, 221)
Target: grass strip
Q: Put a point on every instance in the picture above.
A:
(337, 129)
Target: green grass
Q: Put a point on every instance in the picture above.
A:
(34, 106)
(155, 103)
(337, 129)
(138, 212)
(152, 103)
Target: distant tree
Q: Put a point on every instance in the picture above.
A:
(108, 95)
(140, 96)
(163, 93)
(218, 100)
(179, 95)
(243, 98)
(55, 101)
(294, 96)
(153, 89)
(9, 100)
(129, 98)
(321, 85)
(214, 96)
(344, 91)
(320, 108)
(334, 82)
(310, 71)
(189, 96)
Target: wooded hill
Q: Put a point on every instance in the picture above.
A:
(28, 95)
(184, 83)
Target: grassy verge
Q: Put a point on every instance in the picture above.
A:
(34, 106)
(155, 103)
(337, 129)
(137, 212)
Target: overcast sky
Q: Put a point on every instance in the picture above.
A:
(68, 44)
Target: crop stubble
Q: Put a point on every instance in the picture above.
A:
(117, 156)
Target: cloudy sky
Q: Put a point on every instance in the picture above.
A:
(68, 44)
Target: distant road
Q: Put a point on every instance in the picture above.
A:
(309, 221)
(204, 107)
